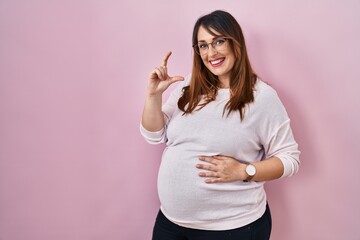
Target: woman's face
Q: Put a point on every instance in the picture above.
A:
(219, 62)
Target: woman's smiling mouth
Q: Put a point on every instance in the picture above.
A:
(217, 62)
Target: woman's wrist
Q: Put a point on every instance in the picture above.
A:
(242, 172)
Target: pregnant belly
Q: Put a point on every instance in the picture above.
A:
(178, 181)
(186, 197)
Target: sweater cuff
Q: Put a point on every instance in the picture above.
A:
(152, 137)
(291, 166)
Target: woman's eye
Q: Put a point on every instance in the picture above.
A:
(219, 41)
(202, 46)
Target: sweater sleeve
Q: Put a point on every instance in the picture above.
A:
(276, 134)
(282, 145)
(168, 109)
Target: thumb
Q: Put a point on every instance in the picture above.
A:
(176, 79)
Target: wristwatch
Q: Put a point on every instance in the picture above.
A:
(250, 171)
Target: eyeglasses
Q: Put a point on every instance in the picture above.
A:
(218, 44)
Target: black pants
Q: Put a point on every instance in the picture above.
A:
(258, 230)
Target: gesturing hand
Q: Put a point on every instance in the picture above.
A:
(159, 80)
(221, 169)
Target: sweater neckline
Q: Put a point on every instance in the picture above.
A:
(223, 92)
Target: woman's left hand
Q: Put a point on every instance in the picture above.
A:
(220, 169)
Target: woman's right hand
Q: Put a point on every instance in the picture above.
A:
(159, 80)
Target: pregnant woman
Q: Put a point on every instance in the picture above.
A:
(226, 134)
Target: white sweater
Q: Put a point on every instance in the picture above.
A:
(263, 133)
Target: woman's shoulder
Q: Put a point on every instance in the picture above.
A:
(264, 91)
(267, 100)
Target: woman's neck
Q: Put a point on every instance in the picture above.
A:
(224, 83)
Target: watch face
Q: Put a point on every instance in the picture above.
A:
(250, 170)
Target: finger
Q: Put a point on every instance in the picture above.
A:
(156, 73)
(209, 174)
(176, 79)
(164, 62)
(164, 68)
(208, 159)
(206, 167)
(221, 157)
(153, 74)
(214, 180)
(161, 73)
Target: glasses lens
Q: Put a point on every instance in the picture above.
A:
(218, 44)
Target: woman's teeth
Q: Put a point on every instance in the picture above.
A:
(217, 61)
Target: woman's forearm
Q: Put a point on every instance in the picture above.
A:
(228, 169)
(268, 169)
(153, 117)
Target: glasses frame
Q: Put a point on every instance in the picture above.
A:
(213, 44)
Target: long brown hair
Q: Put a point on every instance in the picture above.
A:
(204, 83)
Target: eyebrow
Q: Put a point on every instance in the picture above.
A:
(215, 37)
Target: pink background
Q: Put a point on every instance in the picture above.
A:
(73, 77)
